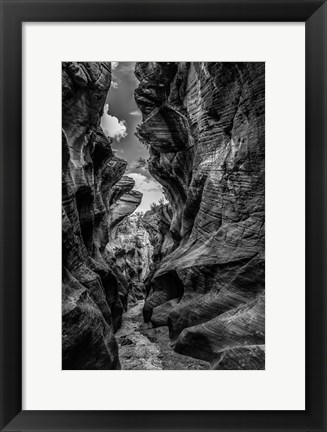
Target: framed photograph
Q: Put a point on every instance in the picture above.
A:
(163, 268)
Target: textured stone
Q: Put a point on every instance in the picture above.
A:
(85, 331)
(124, 185)
(93, 289)
(157, 222)
(204, 124)
(160, 314)
(144, 348)
(131, 251)
(124, 207)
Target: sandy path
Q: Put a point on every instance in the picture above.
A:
(142, 347)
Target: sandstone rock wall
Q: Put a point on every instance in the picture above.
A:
(204, 124)
(157, 222)
(94, 290)
(131, 250)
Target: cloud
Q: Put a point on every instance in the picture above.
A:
(114, 65)
(113, 127)
(140, 163)
(132, 166)
(135, 113)
(139, 167)
(114, 84)
(152, 190)
(127, 68)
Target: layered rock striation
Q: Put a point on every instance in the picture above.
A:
(157, 223)
(94, 290)
(131, 250)
(204, 125)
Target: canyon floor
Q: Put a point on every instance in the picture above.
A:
(142, 347)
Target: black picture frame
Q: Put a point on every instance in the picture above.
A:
(13, 14)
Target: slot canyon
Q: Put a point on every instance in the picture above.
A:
(179, 284)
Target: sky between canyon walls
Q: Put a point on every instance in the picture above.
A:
(120, 118)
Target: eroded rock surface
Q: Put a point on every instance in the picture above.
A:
(144, 348)
(204, 124)
(93, 289)
(124, 207)
(157, 223)
(131, 250)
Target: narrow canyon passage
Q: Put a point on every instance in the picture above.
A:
(143, 347)
(163, 215)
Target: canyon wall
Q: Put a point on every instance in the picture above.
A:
(94, 199)
(157, 222)
(131, 250)
(204, 125)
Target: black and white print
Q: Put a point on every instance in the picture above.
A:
(163, 215)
